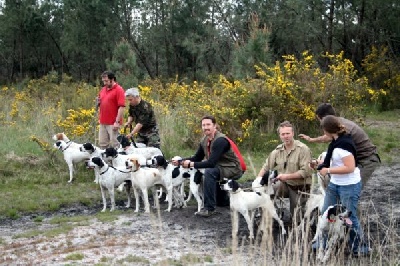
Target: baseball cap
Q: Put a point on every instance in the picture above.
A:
(132, 92)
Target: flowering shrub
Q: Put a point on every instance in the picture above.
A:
(385, 75)
(247, 110)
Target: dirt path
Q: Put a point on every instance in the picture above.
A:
(136, 239)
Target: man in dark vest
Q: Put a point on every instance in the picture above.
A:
(219, 160)
(367, 156)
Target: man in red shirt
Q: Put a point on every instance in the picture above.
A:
(111, 102)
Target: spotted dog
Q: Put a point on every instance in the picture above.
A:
(72, 155)
(332, 223)
(246, 202)
(109, 178)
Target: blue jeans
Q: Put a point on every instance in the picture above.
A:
(211, 177)
(348, 196)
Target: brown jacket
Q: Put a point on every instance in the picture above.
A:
(297, 160)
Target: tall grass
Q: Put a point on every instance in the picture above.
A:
(35, 180)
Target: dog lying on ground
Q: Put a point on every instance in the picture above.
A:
(72, 155)
(109, 178)
(246, 203)
(147, 178)
(332, 223)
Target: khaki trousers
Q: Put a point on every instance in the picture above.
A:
(108, 137)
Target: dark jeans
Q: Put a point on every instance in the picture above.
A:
(213, 195)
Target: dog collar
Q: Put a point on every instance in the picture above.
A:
(331, 220)
(62, 150)
(105, 170)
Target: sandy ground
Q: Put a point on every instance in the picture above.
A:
(143, 239)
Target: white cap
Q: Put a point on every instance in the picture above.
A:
(132, 92)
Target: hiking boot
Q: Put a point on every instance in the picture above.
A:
(205, 213)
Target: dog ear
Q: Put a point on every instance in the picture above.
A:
(234, 185)
(332, 211)
(198, 176)
(137, 164)
(175, 172)
(98, 161)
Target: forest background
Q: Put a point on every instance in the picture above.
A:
(252, 64)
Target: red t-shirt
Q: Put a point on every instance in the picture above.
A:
(110, 101)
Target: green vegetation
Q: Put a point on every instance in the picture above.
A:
(132, 259)
(74, 256)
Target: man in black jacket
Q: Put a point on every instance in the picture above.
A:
(219, 160)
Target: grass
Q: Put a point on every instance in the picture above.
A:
(33, 180)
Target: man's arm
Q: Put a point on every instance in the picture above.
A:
(135, 130)
(219, 147)
(120, 114)
(320, 139)
(268, 165)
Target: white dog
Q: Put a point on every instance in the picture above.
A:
(93, 150)
(246, 203)
(145, 178)
(112, 156)
(196, 186)
(72, 155)
(147, 152)
(109, 178)
(63, 137)
(177, 174)
(316, 199)
(333, 224)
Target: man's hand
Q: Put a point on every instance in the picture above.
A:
(116, 126)
(282, 177)
(305, 137)
(186, 163)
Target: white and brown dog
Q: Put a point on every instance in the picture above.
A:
(332, 223)
(63, 137)
(109, 178)
(144, 178)
(246, 203)
(72, 155)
